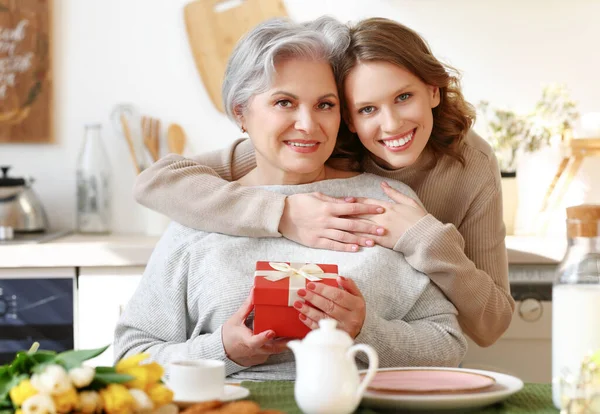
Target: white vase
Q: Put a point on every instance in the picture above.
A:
(509, 200)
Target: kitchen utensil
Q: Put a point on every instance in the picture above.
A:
(215, 26)
(20, 208)
(175, 139)
(151, 136)
(130, 143)
(127, 124)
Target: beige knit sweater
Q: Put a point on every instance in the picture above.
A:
(459, 244)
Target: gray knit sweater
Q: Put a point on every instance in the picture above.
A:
(195, 281)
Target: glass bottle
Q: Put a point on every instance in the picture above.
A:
(93, 184)
(576, 298)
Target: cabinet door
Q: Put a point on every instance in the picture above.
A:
(103, 294)
(36, 305)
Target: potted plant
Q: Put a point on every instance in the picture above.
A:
(511, 134)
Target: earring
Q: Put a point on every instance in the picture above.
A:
(243, 129)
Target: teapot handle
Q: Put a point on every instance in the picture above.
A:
(373, 365)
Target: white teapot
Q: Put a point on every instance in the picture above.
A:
(327, 380)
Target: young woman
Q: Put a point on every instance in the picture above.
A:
(407, 121)
(195, 297)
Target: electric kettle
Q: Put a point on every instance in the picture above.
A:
(20, 208)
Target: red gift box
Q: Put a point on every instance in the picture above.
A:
(276, 286)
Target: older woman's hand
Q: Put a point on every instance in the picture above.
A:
(242, 346)
(345, 306)
(323, 222)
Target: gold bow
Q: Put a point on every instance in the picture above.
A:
(307, 271)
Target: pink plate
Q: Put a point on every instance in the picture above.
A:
(430, 381)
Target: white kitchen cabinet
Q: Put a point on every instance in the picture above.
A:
(103, 294)
(525, 349)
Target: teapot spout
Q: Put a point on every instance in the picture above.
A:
(294, 345)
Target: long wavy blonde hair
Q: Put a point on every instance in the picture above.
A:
(380, 39)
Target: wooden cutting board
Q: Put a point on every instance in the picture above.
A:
(215, 26)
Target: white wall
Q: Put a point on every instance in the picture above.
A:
(136, 51)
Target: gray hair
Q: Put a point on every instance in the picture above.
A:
(251, 66)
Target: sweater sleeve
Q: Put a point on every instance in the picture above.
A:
(428, 335)
(468, 264)
(196, 193)
(155, 318)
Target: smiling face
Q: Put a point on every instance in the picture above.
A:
(391, 111)
(294, 124)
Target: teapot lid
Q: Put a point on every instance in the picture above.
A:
(327, 334)
(6, 181)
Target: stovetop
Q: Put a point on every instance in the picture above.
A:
(34, 238)
(532, 281)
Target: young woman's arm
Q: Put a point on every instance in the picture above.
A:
(197, 193)
(468, 264)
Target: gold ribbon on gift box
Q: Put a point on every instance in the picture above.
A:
(298, 274)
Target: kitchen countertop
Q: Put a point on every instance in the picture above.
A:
(81, 251)
(134, 250)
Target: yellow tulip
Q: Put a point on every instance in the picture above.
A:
(89, 402)
(67, 401)
(117, 399)
(129, 362)
(160, 395)
(145, 375)
(19, 393)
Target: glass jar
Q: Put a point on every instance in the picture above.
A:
(576, 298)
(93, 184)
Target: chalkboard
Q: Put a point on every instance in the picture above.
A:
(25, 71)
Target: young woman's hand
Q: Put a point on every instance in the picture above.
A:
(242, 346)
(398, 217)
(323, 222)
(345, 306)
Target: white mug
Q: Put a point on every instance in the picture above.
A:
(199, 380)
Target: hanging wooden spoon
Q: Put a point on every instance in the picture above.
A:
(175, 139)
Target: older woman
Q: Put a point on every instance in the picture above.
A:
(194, 300)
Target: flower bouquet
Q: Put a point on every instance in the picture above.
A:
(39, 382)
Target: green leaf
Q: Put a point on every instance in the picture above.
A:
(105, 370)
(21, 364)
(43, 356)
(101, 380)
(73, 359)
(110, 377)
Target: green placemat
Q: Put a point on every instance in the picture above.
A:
(533, 398)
